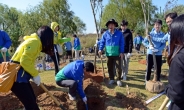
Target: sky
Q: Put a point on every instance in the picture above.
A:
(81, 8)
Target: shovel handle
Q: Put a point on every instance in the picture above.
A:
(102, 66)
(164, 103)
(86, 105)
(53, 98)
(4, 56)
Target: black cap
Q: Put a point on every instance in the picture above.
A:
(112, 21)
(89, 67)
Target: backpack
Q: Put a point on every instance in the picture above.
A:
(8, 75)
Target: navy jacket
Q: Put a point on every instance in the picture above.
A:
(175, 88)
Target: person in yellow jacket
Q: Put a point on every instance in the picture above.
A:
(58, 40)
(26, 55)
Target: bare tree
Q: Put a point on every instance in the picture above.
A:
(97, 7)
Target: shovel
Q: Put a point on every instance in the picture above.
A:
(4, 56)
(164, 103)
(102, 68)
(86, 105)
(53, 98)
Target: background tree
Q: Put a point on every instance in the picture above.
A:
(81, 26)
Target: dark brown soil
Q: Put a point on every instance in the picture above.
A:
(47, 103)
(9, 101)
(131, 102)
(38, 90)
(95, 96)
(94, 103)
(96, 77)
(92, 88)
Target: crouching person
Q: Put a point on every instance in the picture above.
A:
(72, 76)
(25, 55)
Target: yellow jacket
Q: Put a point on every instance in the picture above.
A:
(27, 53)
(57, 35)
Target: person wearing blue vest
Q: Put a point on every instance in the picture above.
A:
(76, 46)
(168, 18)
(68, 47)
(5, 43)
(113, 41)
(72, 76)
(138, 41)
(157, 49)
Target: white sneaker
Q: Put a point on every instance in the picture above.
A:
(71, 98)
(119, 83)
(124, 78)
(111, 82)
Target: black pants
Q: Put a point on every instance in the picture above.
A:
(150, 65)
(56, 63)
(113, 61)
(25, 94)
(72, 84)
(137, 47)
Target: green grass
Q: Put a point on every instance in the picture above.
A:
(135, 82)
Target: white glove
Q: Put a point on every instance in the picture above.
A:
(85, 100)
(4, 49)
(37, 80)
(151, 47)
(129, 55)
(96, 41)
(155, 50)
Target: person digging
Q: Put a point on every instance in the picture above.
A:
(113, 41)
(72, 76)
(154, 85)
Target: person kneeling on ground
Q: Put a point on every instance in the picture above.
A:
(72, 76)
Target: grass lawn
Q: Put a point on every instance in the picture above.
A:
(135, 81)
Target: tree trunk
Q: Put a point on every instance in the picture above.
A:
(94, 15)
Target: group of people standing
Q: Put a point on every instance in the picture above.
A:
(118, 45)
(118, 48)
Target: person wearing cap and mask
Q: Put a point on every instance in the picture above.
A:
(72, 76)
(128, 48)
(113, 41)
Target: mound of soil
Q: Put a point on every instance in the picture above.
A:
(38, 90)
(47, 103)
(13, 101)
(9, 101)
(95, 96)
(144, 62)
(96, 77)
(93, 103)
(131, 102)
(92, 88)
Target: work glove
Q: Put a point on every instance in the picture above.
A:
(129, 55)
(151, 47)
(100, 52)
(84, 100)
(155, 50)
(96, 41)
(37, 80)
(4, 49)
